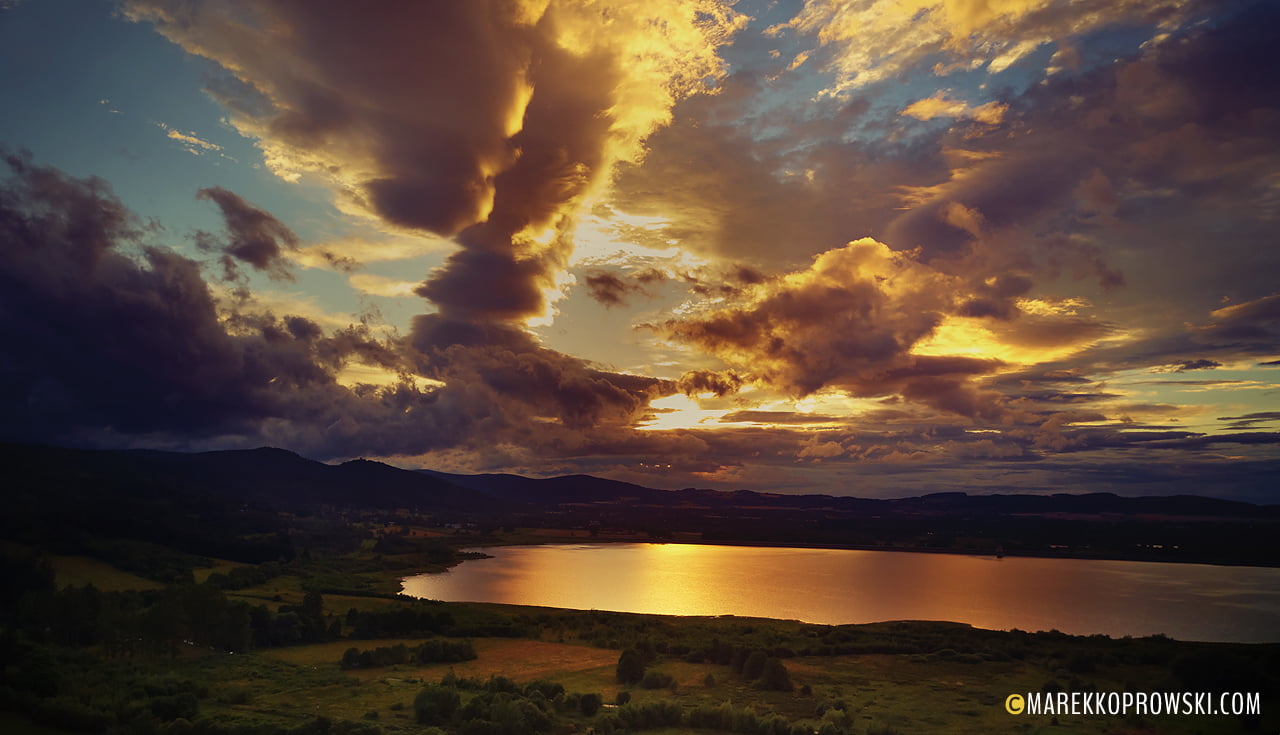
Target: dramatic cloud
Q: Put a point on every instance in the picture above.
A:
(99, 340)
(547, 386)
(254, 236)
(104, 344)
(849, 321)
(939, 105)
(488, 119)
(865, 246)
(613, 290)
(871, 41)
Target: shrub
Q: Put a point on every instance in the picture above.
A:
(435, 704)
(774, 677)
(590, 704)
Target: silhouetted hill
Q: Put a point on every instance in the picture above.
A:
(264, 476)
(286, 480)
(565, 489)
(228, 504)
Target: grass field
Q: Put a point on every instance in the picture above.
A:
(881, 693)
(220, 566)
(77, 571)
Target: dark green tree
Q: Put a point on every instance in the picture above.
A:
(435, 704)
(754, 665)
(630, 667)
(590, 704)
(774, 676)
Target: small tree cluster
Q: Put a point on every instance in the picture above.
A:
(436, 650)
(768, 672)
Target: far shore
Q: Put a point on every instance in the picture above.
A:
(538, 539)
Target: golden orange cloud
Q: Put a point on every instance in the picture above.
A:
(874, 41)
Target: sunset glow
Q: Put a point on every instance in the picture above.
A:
(766, 245)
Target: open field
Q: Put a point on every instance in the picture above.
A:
(77, 571)
(220, 566)
(879, 693)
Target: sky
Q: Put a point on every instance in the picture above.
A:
(879, 248)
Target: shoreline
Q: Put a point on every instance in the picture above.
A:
(1002, 583)
(560, 540)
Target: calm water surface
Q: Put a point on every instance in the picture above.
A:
(1078, 596)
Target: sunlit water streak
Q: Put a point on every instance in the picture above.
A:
(1078, 596)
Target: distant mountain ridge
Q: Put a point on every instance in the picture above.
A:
(278, 476)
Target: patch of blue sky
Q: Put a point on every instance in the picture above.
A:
(92, 94)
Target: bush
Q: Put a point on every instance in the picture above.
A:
(774, 677)
(435, 704)
(548, 689)
(590, 704)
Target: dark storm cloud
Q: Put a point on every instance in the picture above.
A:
(1249, 420)
(1165, 151)
(103, 346)
(384, 98)
(609, 289)
(497, 275)
(709, 381)
(254, 236)
(1254, 325)
(612, 290)
(488, 120)
(489, 284)
(485, 121)
(1200, 364)
(512, 373)
(99, 341)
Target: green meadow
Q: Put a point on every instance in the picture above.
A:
(325, 646)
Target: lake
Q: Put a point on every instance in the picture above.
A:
(834, 586)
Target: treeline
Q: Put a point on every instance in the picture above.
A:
(242, 577)
(757, 666)
(136, 623)
(434, 651)
(498, 706)
(423, 618)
